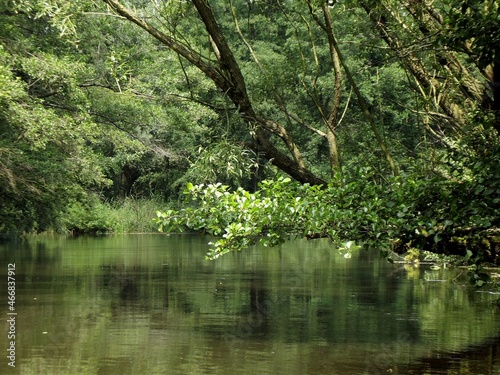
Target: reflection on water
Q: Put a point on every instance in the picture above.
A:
(151, 304)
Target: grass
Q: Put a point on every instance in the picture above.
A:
(134, 215)
(129, 215)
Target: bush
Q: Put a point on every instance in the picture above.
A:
(434, 214)
(89, 217)
(96, 217)
(132, 215)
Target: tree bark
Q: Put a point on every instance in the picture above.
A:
(337, 91)
(283, 162)
(496, 90)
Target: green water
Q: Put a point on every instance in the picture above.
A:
(151, 304)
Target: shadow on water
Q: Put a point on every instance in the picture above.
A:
(476, 359)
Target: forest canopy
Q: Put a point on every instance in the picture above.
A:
(386, 114)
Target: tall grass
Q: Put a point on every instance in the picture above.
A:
(134, 215)
(129, 215)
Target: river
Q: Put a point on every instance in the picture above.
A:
(151, 304)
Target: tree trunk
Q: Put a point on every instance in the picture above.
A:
(337, 91)
(283, 162)
(496, 90)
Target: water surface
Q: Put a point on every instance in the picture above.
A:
(151, 304)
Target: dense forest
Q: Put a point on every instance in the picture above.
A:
(369, 122)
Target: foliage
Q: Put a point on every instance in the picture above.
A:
(93, 216)
(132, 215)
(474, 25)
(99, 120)
(225, 163)
(74, 123)
(33, 168)
(435, 213)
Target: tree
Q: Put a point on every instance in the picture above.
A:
(68, 128)
(448, 95)
(43, 124)
(451, 89)
(227, 75)
(209, 92)
(455, 39)
(473, 28)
